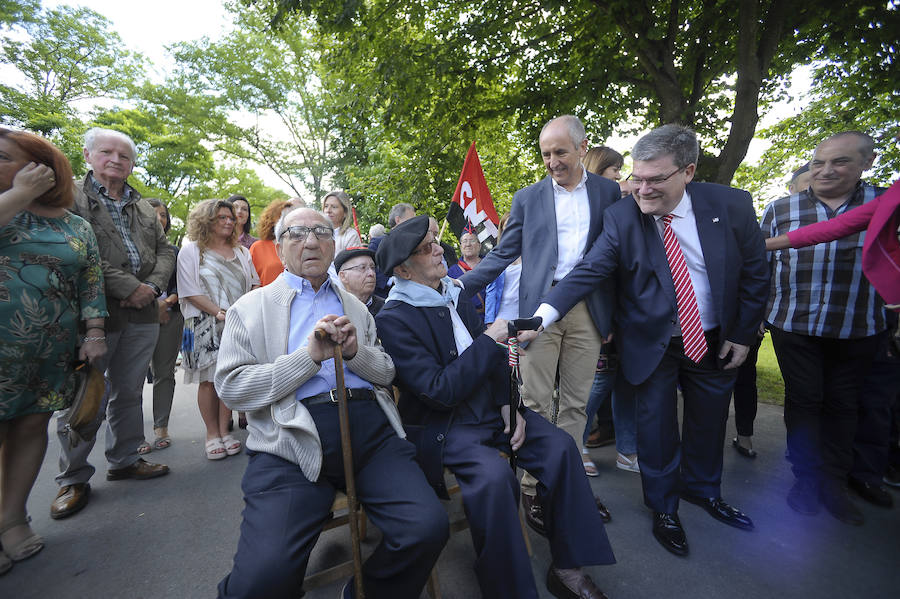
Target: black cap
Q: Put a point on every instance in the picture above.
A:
(400, 243)
(800, 171)
(349, 253)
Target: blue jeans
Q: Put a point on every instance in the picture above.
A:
(623, 410)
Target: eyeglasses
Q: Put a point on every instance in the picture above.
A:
(363, 268)
(652, 181)
(223, 218)
(300, 233)
(426, 249)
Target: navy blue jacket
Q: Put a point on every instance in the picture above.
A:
(629, 254)
(437, 386)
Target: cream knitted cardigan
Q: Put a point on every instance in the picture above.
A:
(256, 375)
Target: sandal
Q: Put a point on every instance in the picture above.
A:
(623, 462)
(590, 468)
(215, 449)
(144, 448)
(162, 440)
(232, 445)
(24, 548)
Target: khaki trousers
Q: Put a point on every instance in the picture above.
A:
(573, 344)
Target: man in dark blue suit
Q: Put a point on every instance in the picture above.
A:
(454, 403)
(692, 328)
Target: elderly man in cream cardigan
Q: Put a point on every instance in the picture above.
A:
(272, 367)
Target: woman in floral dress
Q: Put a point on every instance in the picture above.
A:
(51, 302)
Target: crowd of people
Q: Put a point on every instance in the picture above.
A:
(640, 291)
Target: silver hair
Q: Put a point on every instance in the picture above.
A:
(397, 211)
(573, 124)
(669, 140)
(280, 226)
(866, 143)
(376, 230)
(92, 134)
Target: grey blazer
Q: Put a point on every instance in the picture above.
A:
(531, 233)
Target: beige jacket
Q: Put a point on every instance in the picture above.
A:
(157, 256)
(256, 375)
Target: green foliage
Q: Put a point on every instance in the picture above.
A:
(855, 90)
(14, 12)
(71, 55)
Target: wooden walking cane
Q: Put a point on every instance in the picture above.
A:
(347, 450)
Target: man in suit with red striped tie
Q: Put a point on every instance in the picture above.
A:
(688, 265)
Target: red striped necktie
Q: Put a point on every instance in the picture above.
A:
(688, 314)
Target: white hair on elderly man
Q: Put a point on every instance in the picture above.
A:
(94, 133)
(280, 226)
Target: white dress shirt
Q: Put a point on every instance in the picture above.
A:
(573, 218)
(684, 225)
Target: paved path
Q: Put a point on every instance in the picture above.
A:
(175, 536)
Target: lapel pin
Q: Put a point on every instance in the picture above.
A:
(716, 219)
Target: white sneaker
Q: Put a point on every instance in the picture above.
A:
(623, 462)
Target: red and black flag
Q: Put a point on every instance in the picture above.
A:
(472, 204)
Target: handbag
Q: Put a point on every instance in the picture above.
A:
(91, 386)
(200, 341)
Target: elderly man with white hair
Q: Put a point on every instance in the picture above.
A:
(272, 366)
(137, 261)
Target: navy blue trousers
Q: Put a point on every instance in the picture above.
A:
(490, 493)
(692, 462)
(284, 512)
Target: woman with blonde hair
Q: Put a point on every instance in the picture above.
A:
(339, 210)
(214, 270)
(265, 257)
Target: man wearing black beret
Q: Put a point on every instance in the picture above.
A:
(454, 403)
(356, 269)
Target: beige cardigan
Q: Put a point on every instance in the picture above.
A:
(256, 375)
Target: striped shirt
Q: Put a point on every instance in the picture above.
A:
(121, 219)
(820, 290)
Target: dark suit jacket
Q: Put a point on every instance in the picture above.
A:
(631, 254)
(434, 381)
(531, 233)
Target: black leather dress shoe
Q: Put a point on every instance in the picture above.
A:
(837, 501)
(668, 531)
(873, 493)
(534, 514)
(721, 511)
(604, 511)
(580, 587)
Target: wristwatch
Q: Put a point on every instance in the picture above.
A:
(155, 289)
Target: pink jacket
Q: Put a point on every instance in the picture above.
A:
(881, 248)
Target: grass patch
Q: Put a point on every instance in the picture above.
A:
(769, 383)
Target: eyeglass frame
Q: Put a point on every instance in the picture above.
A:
(358, 266)
(424, 251)
(321, 235)
(652, 181)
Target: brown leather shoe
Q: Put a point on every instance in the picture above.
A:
(572, 584)
(600, 438)
(604, 511)
(534, 514)
(70, 499)
(140, 470)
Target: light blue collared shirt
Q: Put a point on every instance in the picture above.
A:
(307, 308)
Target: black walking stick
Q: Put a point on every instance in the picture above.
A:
(349, 480)
(512, 328)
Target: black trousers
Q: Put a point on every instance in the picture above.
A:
(871, 446)
(822, 382)
(745, 395)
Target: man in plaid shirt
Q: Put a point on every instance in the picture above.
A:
(825, 320)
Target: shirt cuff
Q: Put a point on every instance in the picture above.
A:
(548, 315)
